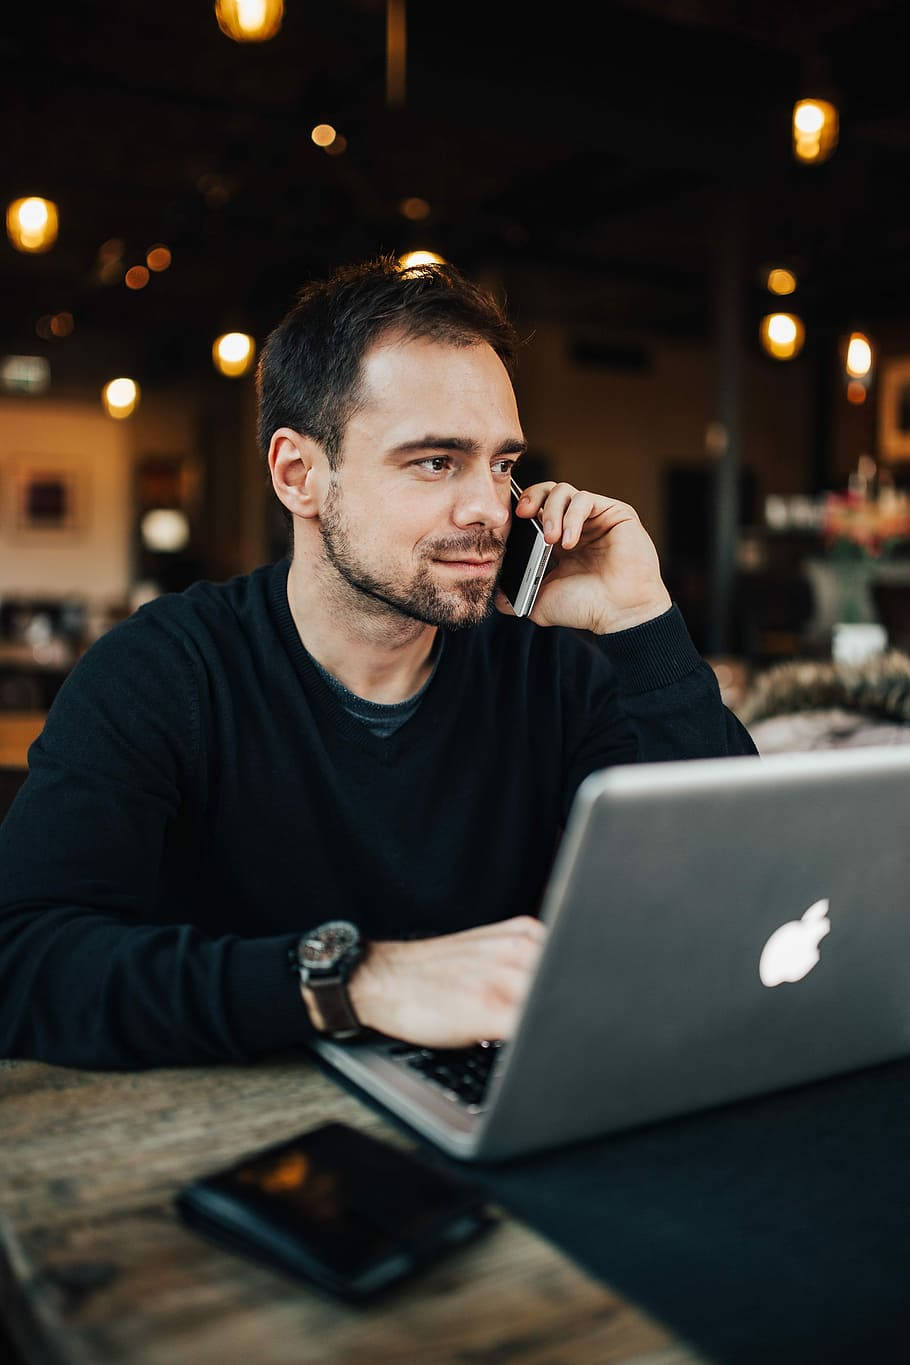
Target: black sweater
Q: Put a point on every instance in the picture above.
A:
(200, 797)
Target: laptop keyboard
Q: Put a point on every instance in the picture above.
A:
(461, 1073)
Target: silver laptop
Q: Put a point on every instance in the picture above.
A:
(717, 928)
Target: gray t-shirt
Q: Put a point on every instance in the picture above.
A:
(383, 718)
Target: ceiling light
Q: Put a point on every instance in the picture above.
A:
(323, 135)
(815, 130)
(158, 257)
(782, 335)
(781, 281)
(859, 356)
(414, 208)
(233, 353)
(120, 397)
(411, 259)
(249, 21)
(32, 224)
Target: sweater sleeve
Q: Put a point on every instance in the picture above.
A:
(670, 695)
(91, 976)
(659, 700)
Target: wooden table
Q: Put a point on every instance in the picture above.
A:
(96, 1268)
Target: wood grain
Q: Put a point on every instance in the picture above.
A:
(97, 1268)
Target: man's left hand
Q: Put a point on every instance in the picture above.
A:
(604, 574)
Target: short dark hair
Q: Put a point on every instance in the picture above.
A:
(309, 372)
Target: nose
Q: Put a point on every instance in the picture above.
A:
(481, 500)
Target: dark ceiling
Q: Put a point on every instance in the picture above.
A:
(588, 156)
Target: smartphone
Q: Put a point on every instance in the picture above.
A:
(525, 561)
(336, 1207)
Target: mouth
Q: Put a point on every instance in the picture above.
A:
(470, 566)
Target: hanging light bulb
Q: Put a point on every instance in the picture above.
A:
(233, 353)
(781, 281)
(249, 21)
(410, 259)
(815, 130)
(859, 356)
(32, 224)
(782, 335)
(120, 397)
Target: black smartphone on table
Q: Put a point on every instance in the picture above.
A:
(334, 1206)
(525, 561)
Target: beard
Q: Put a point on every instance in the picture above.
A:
(463, 604)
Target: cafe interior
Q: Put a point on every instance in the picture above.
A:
(693, 209)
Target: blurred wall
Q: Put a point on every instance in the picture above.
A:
(92, 559)
(610, 430)
(617, 431)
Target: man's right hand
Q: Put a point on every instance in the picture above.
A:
(449, 991)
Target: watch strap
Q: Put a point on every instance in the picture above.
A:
(329, 1006)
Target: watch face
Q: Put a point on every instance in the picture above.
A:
(325, 946)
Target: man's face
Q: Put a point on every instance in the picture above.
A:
(424, 482)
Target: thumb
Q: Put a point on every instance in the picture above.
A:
(502, 603)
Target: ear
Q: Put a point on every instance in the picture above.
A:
(300, 471)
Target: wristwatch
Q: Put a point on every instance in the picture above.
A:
(325, 957)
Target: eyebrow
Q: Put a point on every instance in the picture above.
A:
(464, 444)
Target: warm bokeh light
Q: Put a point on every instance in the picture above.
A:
(815, 129)
(323, 134)
(158, 257)
(233, 353)
(338, 147)
(782, 335)
(414, 208)
(109, 265)
(120, 397)
(61, 324)
(249, 21)
(859, 356)
(856, 392)
(32, 224)
(165, 530)
(808, 118)
(411, 259)
(781, 281)
(137, 277)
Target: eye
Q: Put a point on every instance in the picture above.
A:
(434, 460)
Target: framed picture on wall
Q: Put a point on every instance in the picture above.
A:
(894, 409)
(44, 498)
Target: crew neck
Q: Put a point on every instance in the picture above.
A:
(327, 693)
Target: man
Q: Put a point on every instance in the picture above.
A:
(365, 734)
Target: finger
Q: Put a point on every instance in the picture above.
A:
(580, 509)
(518, 951)
(554, 509)
(532, 499)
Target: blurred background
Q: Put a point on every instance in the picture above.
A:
(693, 208)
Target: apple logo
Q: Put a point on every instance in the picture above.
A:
(792, 950)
